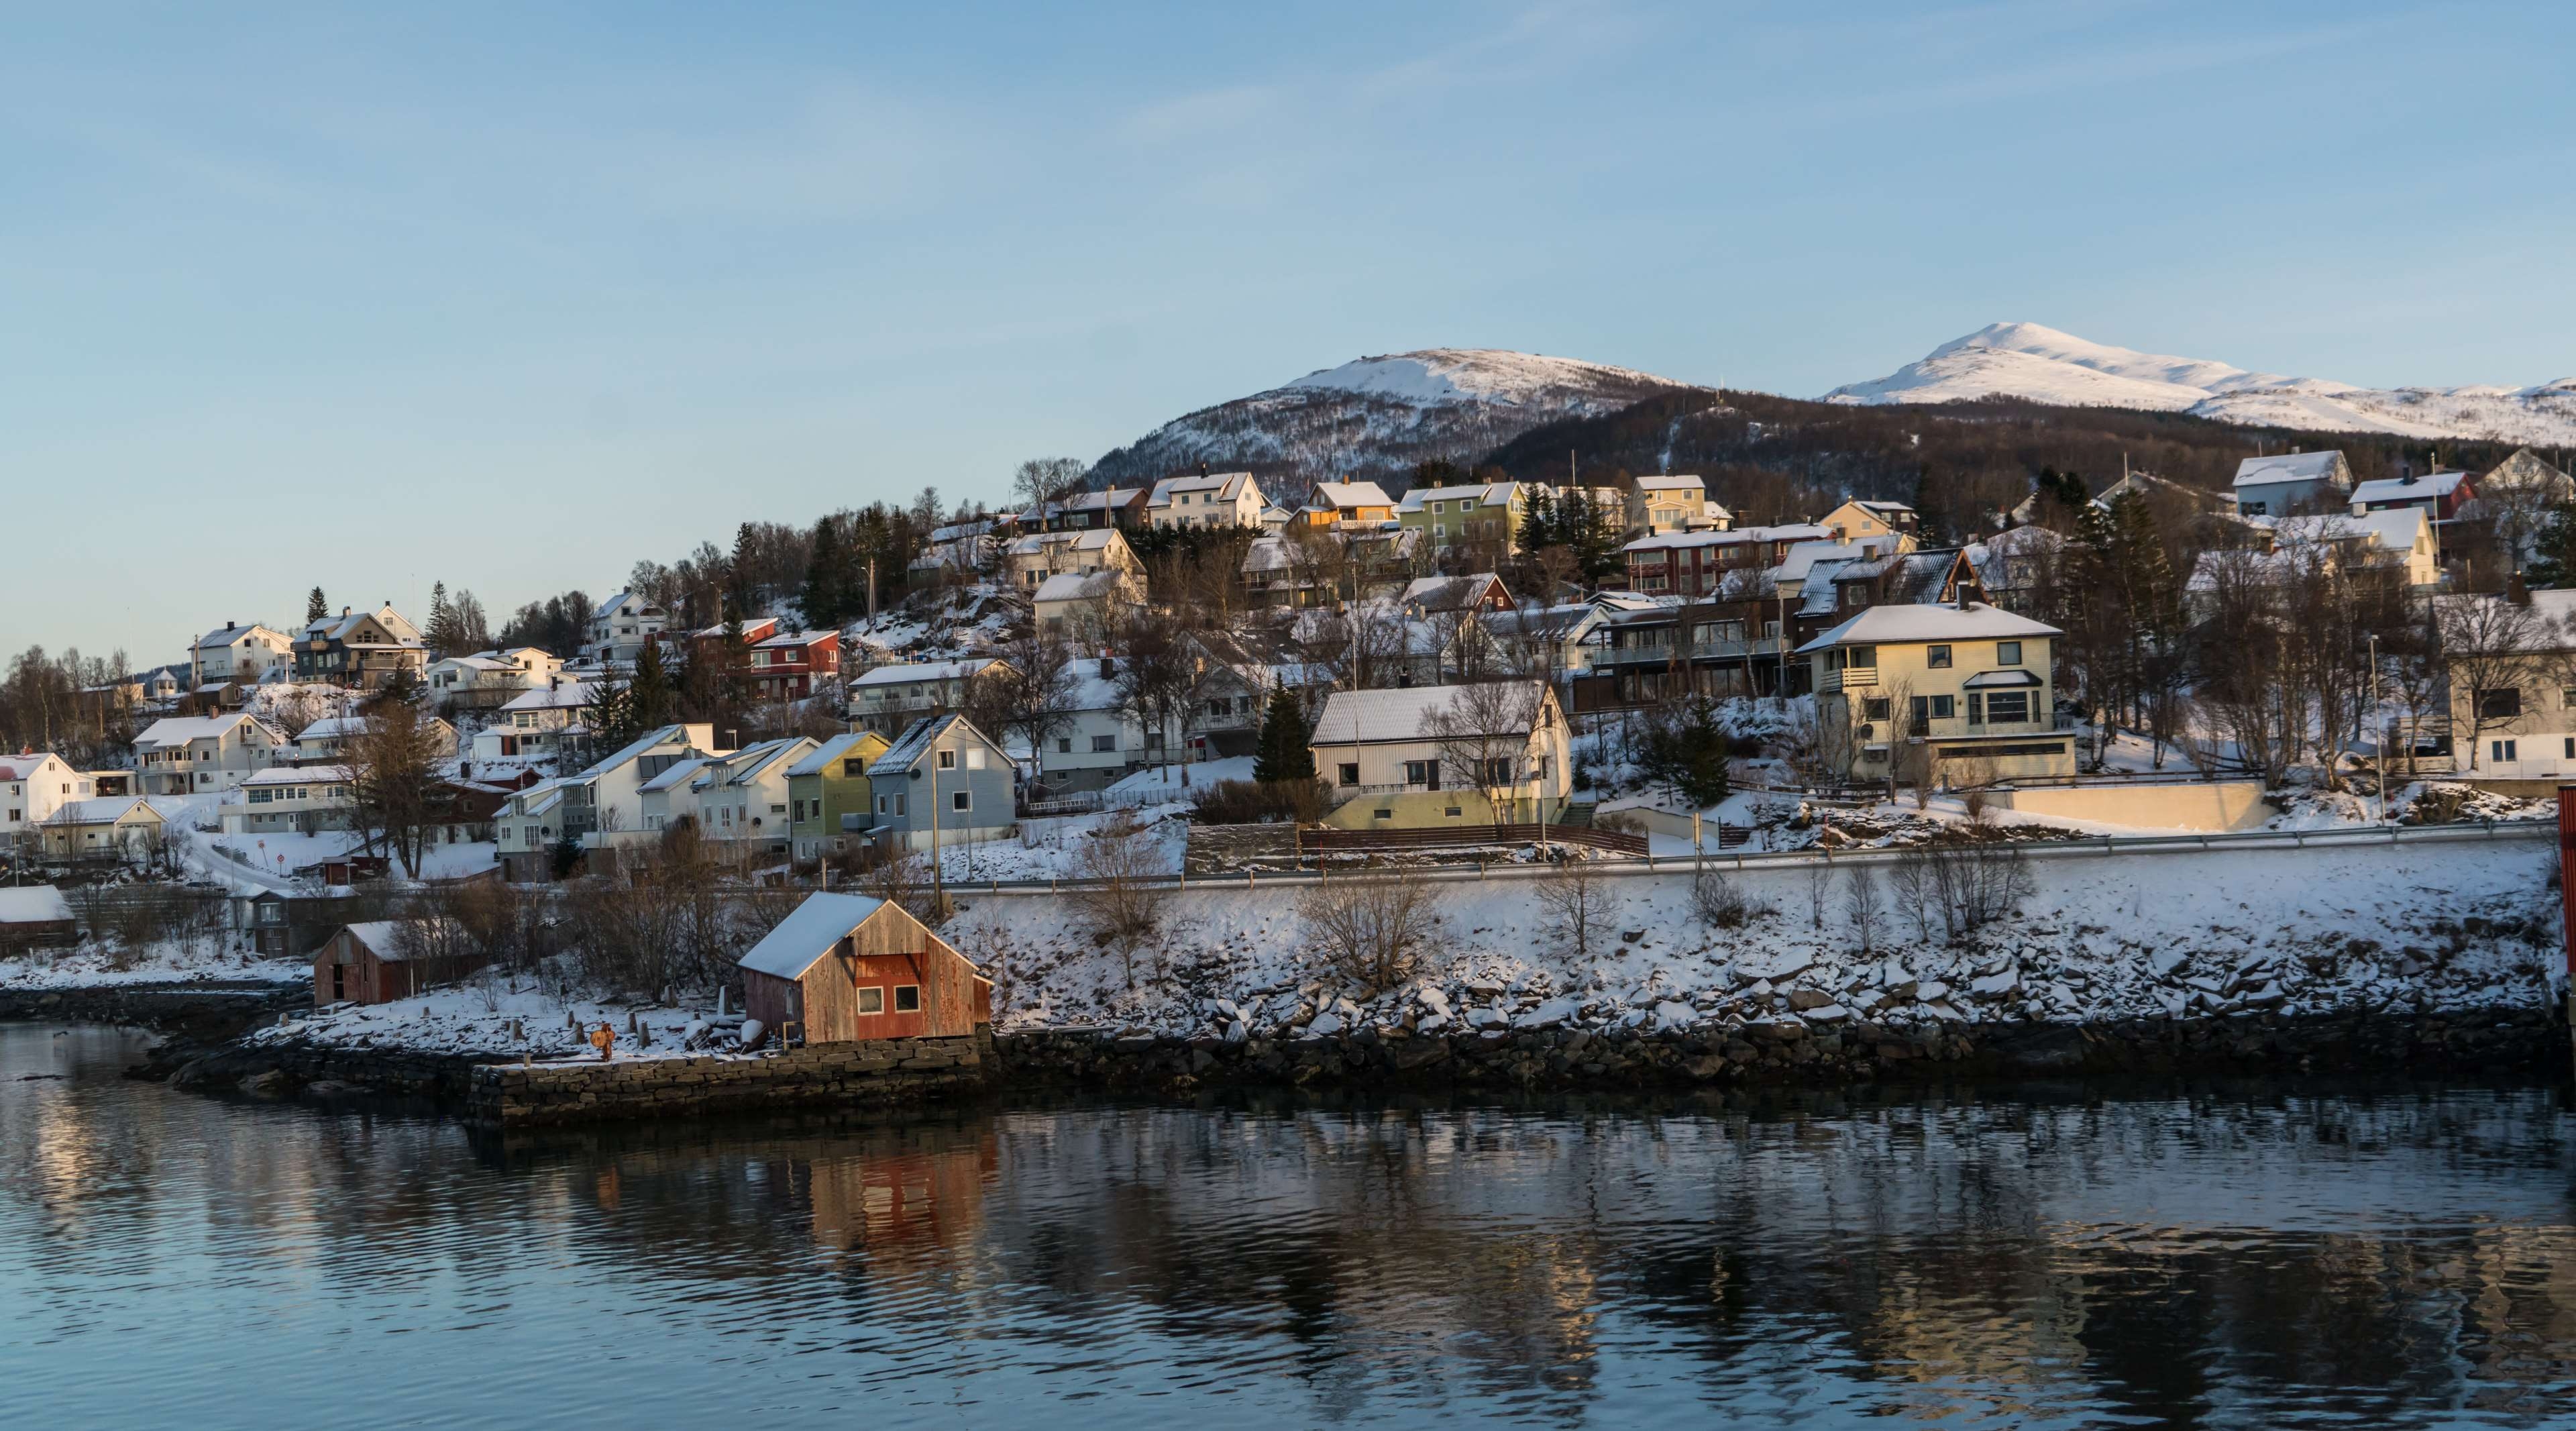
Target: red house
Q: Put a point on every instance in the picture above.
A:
(788, 665)
(847, 967)
(387, 959)
(1696, 563)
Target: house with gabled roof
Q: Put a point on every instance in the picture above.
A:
(828, 808)
(538, 724)
(1330, 504)
(2284, 484)
(489, 679)
(851, 968)
(359, 650)
(1219, 499)
(1957, 694)
(33, 785)
(942, 782)
(197, 755)
(891, 697)
(233, 654)
(122, 827)
(621, 626)
(1394, 758)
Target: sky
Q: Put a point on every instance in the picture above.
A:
(510, 296)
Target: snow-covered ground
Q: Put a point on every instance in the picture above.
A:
(523, 1016)
(2449, 924)
(94, 964)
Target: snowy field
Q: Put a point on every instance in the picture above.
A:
(94, 965)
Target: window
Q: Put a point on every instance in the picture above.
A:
(2501, 749)
(881, 804)
(1064, 745)
(2006, 707)
(872, 1000)
(2500, 703)
(1864, 658)
(1976, 708)
(907, 998)
(948, 760)
(962, 800)
(1937, 657)
(1943, 707)
(1875, 708)
(1422, 772)
(1498, 771)
(1350, 774)
(1104, 744)
(2008, 653)
(975, 757)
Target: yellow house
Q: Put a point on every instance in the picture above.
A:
(1478, 515)
(1664, 502)
(829, 783)
(1333, 503)
(1427, 756)
(1856, 520)
(1938, 694)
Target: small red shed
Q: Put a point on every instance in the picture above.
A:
(387, 959)
(848, 967)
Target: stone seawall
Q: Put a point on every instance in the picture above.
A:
(879, 1073)
(2508, 1041)
(197, 1010)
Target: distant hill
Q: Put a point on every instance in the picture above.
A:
(1375, 418)
(2039, 364)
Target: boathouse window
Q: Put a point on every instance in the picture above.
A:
(872, 1000)
(907, 998)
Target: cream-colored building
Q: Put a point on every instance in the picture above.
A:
(1087, 609)
(1956, 695)
(1220, 499)
(1857, 520)
(1673, 502)
(2513, 685)
(1403, 759)
(1039, 555)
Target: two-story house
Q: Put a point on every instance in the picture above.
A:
(1666, 502)
(603, 806)
(1331, 504)
(300, 800)
(538, 724)
(1697, 564)
(2292, 483)
(240, 655)
(2440, 495)
(1039, 555)
(2512, 679)
(1100, 742)
(1859, 520)
(941, 783)
(330, 739)
(892, 698)
(790, 665)
(1086, 609)
(1221, 499)
(487, 680)
(1484, 515)
(742, 797)
(359, 650)
(1957, 694)
(32, 787)
(1406, 759)
(828, 807)
(196, 755)
(621, 626)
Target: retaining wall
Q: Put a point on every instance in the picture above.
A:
(876, 1073)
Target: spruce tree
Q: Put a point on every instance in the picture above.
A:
(824, 598)
(1538, 522)
(2553, 561)
(315, 608)
(440, 638)
(1284, 750)
(648, 693)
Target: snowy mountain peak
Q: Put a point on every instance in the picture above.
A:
(2042, 364)
(1376, 417)
(1452, 375)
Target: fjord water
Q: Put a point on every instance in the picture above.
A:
(2395, 1257)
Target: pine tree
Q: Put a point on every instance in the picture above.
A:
(440, 638)
(825, 600)
(1538, 522)
(649, 696)
(1284, 751)
(2554, 555)
(315, 608)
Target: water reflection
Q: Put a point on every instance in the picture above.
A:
(2381, 1258)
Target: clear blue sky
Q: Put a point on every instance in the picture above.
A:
(513, 295)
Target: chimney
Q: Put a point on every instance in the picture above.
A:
(1203, 469)
(344, 611)
(2516, 590)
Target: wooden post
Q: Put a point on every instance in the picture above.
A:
(2567, 894)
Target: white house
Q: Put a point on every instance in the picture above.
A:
(1039, 555)
(488, 679)
(1100, 742)
(621, 626)
(329, 738)
(243, 654)
(1386, 756)
(537, 724)
(890, 698)
(2292, 482)
(527, 830)
(292, 800)
(1222, 499)
(742, 797)
(604, 805)
(1086, 607)
(195, 755)
(32, 787)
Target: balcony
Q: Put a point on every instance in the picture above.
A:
(1854, 678)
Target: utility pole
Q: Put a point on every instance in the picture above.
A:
(938, 884)
(2378, 729)
(872, 591)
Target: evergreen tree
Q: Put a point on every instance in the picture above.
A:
(1588, 535)
(611, 717)
(1538, 522)
(649, 696)
(825, 599)
(315, 608)
(1284, 751)
(2554, 554)
(440, 638)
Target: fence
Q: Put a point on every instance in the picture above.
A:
(1085, 802)
(1468, 836)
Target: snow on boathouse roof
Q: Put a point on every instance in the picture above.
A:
(1975, 621)
(809, 933)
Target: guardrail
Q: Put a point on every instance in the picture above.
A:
(2090, 847)
(1452, 837)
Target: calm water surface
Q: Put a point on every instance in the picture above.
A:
(2387, 1259)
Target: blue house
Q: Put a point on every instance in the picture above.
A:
(942, 775)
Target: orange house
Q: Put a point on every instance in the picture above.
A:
(848, 967)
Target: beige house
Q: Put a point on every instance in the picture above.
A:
(1673, 502)
(1857, 520)
(1952, 694)
(243, 654)
(1039, 555)
(1424, 757)
(194, 755)
(1086, 608)
(293, 800)
(2513, 685)
(106, 827)
(1221, 499)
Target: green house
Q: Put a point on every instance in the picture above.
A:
(827, 795)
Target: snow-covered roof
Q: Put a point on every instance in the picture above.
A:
(1490, 494)
(1816, 593)
(791, 639)
(1671, 482)
(677, 774)
(101, 810)
(383, 937)
(300, 775)
(21, 767)
(909, 672)
(337, 628)
(747, 765)
(1079, 586)
(225, 636)
(2430, 486)
(1091, 685)
(625, 603)
(660, 735)
(900, 757)
(332, 728)
(810, 932)
(2288, 467)
(1448, 593)
(1397, 715)
(1911, 622)
(2398, 529)
(33, 904)
(1789, 532)
(820, 759)
(1882, 509)
(1350, 494)
(179, 730)
(1226, 485)
(554, 697)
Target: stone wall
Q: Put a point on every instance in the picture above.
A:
(877, 1073)
(201, 1010)
(2516, 1041)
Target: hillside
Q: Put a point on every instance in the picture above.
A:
(2039, 364)
(1377, 417)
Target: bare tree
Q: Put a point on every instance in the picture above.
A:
(392, 767)
(1369, 928)
(1918, 896)
(1033, 697)
(1485, 733)
(1575, 896)
(1717, 903)
(1042, 481)
(2493, 647)
(1862, 906)
(1121, 894)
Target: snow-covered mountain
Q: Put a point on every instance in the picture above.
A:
(1377, 417)
(2025, 360)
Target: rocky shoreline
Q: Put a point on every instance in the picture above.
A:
(2528, 1042)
